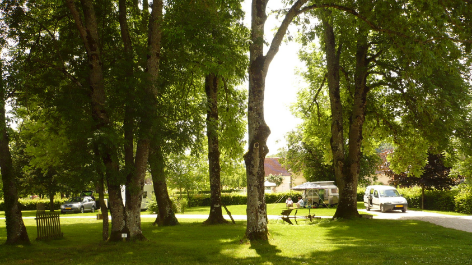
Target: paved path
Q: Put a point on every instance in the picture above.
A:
(463, 223)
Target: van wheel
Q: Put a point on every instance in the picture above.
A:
(404, 210)
(382, 208)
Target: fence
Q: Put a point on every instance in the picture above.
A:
(48, 226)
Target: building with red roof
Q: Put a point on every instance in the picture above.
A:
(272, 166)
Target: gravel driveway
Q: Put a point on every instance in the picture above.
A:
(463, 223)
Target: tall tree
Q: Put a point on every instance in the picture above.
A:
(16, 230)
(258, 131)
(381, 65)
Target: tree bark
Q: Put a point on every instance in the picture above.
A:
(165, 216)
(103, 206)
(346, 166)
(258, 131)
(347, 207)
(337, 128)
(16, 230)
(135, 182)
(211, 90)
(88, 30)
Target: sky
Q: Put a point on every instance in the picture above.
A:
(282, 83)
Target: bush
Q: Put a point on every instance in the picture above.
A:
(179, 205)
(239, 199)
(28, 204)
(360, 194)
(463, 199)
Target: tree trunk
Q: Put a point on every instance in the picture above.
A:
(211, 90)
(337, 128)
(88, 31)
(258, 131)
(134, 192)
(51, 201)
(16, 230)
(103, 207)
(135, 181)
(347, 207)
(165, 216)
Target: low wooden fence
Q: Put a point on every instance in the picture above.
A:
(48, 225)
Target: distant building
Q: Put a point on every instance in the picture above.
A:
(273, 167)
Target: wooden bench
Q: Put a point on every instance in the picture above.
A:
(286, 215)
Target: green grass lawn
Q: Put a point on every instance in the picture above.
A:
(362, 241)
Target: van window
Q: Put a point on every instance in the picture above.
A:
(376, 194)
(334, 190)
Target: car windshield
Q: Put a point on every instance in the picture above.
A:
(75, 199)
(389, 193)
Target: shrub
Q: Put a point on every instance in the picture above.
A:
(179, 205)
(360, 194)
(28, 204)
(463, 199)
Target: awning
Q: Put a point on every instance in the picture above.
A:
(269, 184)
(308, 186)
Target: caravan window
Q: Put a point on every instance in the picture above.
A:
(144, 194)
(334, 190)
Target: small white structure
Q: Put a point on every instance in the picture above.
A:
(269, 186)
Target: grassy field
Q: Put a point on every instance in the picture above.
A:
(324, 241)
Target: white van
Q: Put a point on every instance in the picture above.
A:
(384, 198)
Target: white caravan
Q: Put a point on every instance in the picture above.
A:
(148, 191)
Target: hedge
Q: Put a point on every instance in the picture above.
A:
(31, 204)
(239, 199)
(28, 204)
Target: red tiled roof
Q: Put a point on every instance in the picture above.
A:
(273, 167)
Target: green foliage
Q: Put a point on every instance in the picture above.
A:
(179, 205)
(434, 175)
(240, 199)
(433, 199)
(463, 200)
(27, 204)
(277, 179)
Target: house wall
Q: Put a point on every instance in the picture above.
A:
(285, 185)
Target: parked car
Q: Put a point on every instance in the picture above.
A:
(384, 198)
(79, 204)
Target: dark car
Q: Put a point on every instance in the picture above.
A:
(79, 204)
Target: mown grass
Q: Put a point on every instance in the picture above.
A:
(362, 241)
(272, 209)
